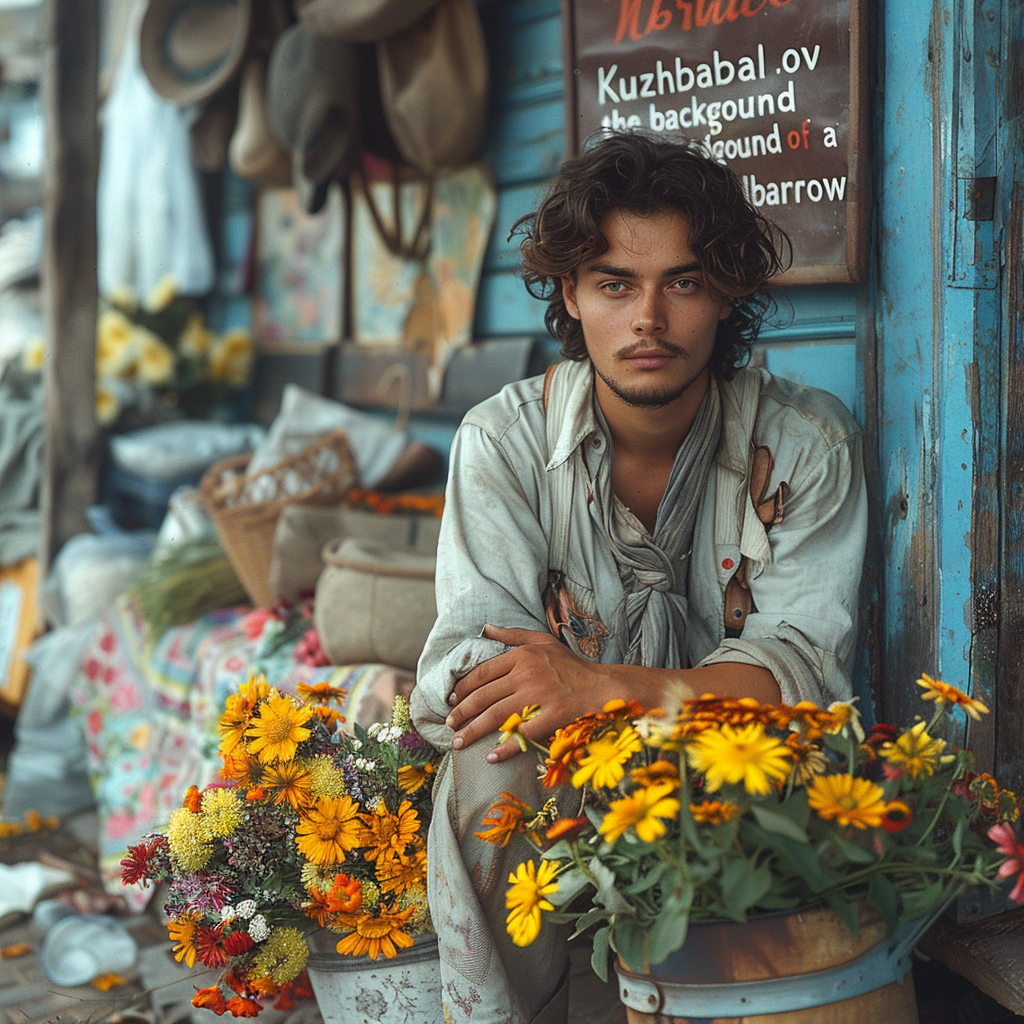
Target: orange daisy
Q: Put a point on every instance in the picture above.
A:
(388, 834)
(328, 829)
(378, 934)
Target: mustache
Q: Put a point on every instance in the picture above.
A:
(651, 346)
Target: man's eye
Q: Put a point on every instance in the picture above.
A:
(685, 284)
(614, 287)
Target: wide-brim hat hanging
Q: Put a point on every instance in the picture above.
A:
(360, 21)
(433, 84)
(254, 152)
(314, 109)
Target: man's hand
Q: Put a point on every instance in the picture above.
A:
(538, 670)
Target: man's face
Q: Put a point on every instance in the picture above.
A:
(648, 319)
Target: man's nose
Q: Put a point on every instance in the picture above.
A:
(648, 314)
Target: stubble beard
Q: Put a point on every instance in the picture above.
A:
(643, 396)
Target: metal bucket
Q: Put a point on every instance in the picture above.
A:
(790, 968)
(358, 990)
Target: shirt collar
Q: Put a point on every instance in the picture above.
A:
(571, 402)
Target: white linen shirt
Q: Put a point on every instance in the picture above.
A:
(804, 574)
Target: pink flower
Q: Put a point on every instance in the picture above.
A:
(1003, 836)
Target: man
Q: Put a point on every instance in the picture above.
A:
(600, 536)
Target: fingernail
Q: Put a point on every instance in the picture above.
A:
(450, 722)
(453, 700)
(492, 756)
(457, 743)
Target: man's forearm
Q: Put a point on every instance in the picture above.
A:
(651, 686)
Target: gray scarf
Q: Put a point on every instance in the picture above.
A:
(654, 612)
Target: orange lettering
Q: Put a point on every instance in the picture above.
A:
(687, 8)
(629, 17)
(749, 12)
(778, 3)
(659, 19)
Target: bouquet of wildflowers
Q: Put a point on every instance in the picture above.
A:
(733, 807)
(160, 350)
(312, 828)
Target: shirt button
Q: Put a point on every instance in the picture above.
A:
(727, 563)
(596, 442)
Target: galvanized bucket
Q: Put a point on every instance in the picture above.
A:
(358, 990)
(789, 968)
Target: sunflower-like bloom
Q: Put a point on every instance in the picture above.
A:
(328, 829)
(744, 754)
(114, 333)
(238, 711)
(505, 819)
(809, 761)
(915, 751)
(182, 932)
(568, 743)
(937, 690)
(710, 712)
(310, 692)
(386, 834)
(713, 812)
(188, 838)
(155, 360)
(412, 778)
(287, 781)
(525, 899)
(646, 809)
(279, 729)
(402, 873)
(660, 771)
(377, 934)
(281, 957)
(847, 800)
(222, 811)
(844, 713)
(604, 763)
(512, 728)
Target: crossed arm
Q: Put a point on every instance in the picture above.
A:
(540, 670)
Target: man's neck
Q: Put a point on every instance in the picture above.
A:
(650, 433)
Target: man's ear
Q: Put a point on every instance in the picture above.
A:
(569, 295)
(723, 313)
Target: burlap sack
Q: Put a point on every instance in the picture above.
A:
(374, 603)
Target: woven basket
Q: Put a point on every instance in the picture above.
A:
(246, 528)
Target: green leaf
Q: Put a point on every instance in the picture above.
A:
(853, 852)
(846, 912)
(599, 957)
(773, 820)
(646, 881)
(560, 851)
(668, 932)
(800, 858)
(958, 837)
(885, 899)
(590, 918)
(627, 939)
(607, 890)
(919, 902)
(570, 884)
(743, 885)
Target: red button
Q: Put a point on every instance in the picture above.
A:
(727, 563)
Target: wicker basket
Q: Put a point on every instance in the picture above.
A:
(325, 470)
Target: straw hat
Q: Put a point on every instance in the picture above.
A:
(313, 108)
(360, 21)
(433, 84)
(254, 151)
(190, 48)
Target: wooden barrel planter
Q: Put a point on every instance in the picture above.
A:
(802, 967)
(357, 990)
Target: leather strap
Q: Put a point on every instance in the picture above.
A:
(549, 378)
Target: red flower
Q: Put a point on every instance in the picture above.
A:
(302, 987)
(1003, 836)
(238, 943)
(210, 999)
(236, 982)
(241, 1007)
(285, 1000)
(208, 946)
(192, 799)
(897, 816)
(135, 867)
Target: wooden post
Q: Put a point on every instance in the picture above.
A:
(69, 280)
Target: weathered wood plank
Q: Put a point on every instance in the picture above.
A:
(69, 85)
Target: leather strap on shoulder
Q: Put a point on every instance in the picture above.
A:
(549, 378)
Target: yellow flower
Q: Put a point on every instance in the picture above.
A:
(915, 751)
(376, 935)
(34, 355)
(412, 778)
(386, 834)
(154, 359)
(222, 811)
(844, 713)
(528, 885)
(231, 358)
(402, 873)
(603, 764)
(743, 754)
(278, 730)
(328, 829)
(937, 690)
(324, 778)
(188, 838)
(238, 711)
(182, 931)
(514, 723)
(713, 812)
(195, 338)
(281, 957)
(644, 809)
(847, 800)
(289, 781)
(162, 294)
(107, 406)
(660, 772)
(114, 334)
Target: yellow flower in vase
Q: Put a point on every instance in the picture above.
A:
(288, 781)
(713, 812)
(646, 809)
(604, 763)
(328, 830)
(915, 751)
(278, 730)
(525, 899)
(387, 835)
(195, 338)
(162, 294)
(847, 800)
(155, 361)
(231, 358)
(107, 405)
(182, 932)
(114, 345)
(745, 754)
(937, 690)
(402, 873)
(378, 934)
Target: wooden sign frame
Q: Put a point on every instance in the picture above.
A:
(657, 25)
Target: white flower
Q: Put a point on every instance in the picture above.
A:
(357, 744)
(246, 909)
(375, 728)
(258, 928)
(227, 912)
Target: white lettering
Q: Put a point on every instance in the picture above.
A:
(604, 85)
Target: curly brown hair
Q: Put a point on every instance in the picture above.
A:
(737, 247)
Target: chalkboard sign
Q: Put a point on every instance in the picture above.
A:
(773, 88)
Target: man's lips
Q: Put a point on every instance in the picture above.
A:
(648, 359)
